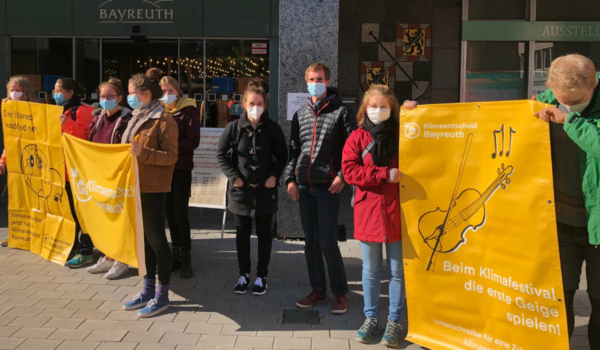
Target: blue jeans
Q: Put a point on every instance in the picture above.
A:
(372, 255)
(319, 211)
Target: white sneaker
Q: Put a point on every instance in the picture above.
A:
(117, 270)
(101, 266)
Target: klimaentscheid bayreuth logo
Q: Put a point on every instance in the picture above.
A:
(136, 11)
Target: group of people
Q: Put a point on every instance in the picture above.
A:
(329, 146)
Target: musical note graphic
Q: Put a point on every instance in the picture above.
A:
(496, 132)
(512, 131)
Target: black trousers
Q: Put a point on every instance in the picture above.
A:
(574, 249)
(156, 246)
(243, 227)
(84, 245)
(177, 210)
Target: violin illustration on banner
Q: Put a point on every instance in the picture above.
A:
(444, 231)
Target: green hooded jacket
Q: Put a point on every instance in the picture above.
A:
(584, 130)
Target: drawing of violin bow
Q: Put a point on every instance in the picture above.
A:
(441, 229)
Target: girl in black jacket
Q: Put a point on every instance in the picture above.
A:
(252, 153)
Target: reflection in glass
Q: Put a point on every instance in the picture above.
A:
(87, 62)
(498, 9)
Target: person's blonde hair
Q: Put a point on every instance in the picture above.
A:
(173, 82)
(382, 90)
(571, 72)
(25, 85)
(114, 84)
(316, 67)
(255, 87)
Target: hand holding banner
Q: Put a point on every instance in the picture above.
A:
(479, 229)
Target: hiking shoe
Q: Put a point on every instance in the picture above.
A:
(391, 337)
(79, 261)
(186, 265)
(137, 302)
(4, 243)
(176, 259)
(101, 266)
(260, 286)
(154, 308)
(340, 304)
(242, 286)
(313, 298)
(367, 330)
(117, 270)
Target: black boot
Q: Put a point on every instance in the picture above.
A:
(176, 258)
(186, 265)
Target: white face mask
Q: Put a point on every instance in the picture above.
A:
(577, 108)
(378, 115)
(255, 112)
(16, 95)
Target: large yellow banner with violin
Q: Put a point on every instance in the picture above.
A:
(479, 230)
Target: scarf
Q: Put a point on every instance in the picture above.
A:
(137, 116)
(385, 148)
(72, 102)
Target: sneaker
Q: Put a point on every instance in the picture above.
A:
(137, 302)
(102, 265)
(80, 260)
(313, 298)
(242, 286)
(153, 308)
(260, 286)
(4, 243)
(117, 270)
(340, 304)
(391, 337)
(367, 330)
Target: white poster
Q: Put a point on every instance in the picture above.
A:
(209, 184)
(295, 102)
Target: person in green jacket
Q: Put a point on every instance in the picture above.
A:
(575, 144)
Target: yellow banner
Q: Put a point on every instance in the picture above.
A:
(39, 217)
(479, 229)
(104, 179)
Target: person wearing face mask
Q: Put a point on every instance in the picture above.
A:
(314, 177)
(17, 89)
(252, 154)
(75, 120)
(574, 119)
(108, 126)
(187, 116)
(370, 163)
(152, 133)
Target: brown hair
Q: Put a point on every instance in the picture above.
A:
(382, 90)
(255, 87)
(24, 84)
(571, 72)
(148, 82)
(114, 84)
(315, 67)
(171, 81)
(71, 84)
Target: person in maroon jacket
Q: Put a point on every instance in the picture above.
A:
(370, 163)
(108, 125)
(186, 115)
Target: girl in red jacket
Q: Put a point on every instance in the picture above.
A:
(75, 120)
(370, 163)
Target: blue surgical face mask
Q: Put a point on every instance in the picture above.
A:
(316, 89)
(109, 105)
(168, 99)
(60, 99)
(133, 101)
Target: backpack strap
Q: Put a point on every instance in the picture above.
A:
(74, 113)
(367, 149)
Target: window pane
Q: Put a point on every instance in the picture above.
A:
(574, 10)
(497, 9)
(23, 59)
(192, 70)
(87, 65)
(551, 51)
(495, 71)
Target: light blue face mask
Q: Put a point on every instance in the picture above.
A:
(168, 99)
(134, 102)
(60, 99)
(109, 105)
(316, 89)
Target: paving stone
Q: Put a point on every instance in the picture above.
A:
(78, 345)
(117, 346)
(4, 320)
(25, 311)
(70, 334)
(74, 287)
(29, 321)
(122, 315)
(168, 327)
(152, 346)
(248, 331)
(100, 325)
(292, 343)
(192, 317)
(58, 312)
(254, 342)
(217, 340)
(91, 314)
(104, 296)
(9, 344)
(143, 337)
(311, 333)
(41, 286)
(203, 328)
(6, 332)
(140, 326)
(180, 338)
(114, 335)
(84, 304)
(33, 333)
(330, 344)
(279, 333)
(57, 303)
(78, 295)
(111, 306)
(342, 334)
(63, 323)
(225, 320)
(48, 294)
(39, 344)
(20, 302)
